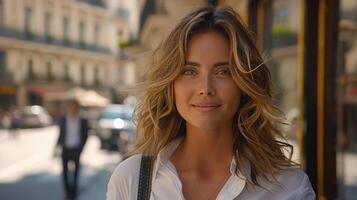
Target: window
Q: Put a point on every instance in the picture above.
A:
(1, 13)
(31, 72)
(96, 75)
(2, 61)
(96, 34)
(47, 26)
(27, 22)
(82, 74)
(346, 87)
(65, 27)
(66, 72)
(281, 15)
(81, 33)
(282, 47)
(49, 71)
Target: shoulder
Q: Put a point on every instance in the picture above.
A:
(292, 175)
(128, 168)
(295, 181)
(62, 121)
(124, 180)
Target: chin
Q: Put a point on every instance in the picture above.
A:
(205, 124)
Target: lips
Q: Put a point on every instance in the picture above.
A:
(206, 107)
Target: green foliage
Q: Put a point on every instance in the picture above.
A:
(49, 38)
(82, 44)
(67, 42)
(124, 43)
(279, 30)
(29, 34)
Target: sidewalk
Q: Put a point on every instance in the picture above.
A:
(44, 185)
(38, 175)
(4, 134)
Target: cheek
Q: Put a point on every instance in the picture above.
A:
(234, 96)
(182, 88)
(179, 94)
(182, 95)
(236, 103)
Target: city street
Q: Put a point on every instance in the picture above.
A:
(29, 171)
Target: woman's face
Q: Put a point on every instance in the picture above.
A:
(206, 95)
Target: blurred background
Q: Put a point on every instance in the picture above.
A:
(95, 51)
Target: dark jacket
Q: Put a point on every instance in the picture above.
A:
(83, 132)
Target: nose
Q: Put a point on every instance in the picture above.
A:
(206, 86)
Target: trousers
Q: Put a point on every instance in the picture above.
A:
(70, 157)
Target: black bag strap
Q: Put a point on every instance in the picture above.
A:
(144, 188)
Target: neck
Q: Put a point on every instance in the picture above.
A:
(72, 115)
(204, 149)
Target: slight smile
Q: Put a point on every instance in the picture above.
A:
(205, 107)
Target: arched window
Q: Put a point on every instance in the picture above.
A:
(31, 71)
(49, 71)
(82, 72)
(66, 72)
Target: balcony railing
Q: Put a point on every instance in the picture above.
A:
(49, 40)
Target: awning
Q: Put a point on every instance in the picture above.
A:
(41, 90)
(87, 98)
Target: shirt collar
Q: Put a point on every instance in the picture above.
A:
(165, 154)
(245, 169)
(236, 182)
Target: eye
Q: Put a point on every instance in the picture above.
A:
(223, 72)
(189, 71)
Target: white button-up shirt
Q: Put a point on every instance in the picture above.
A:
(123, 184)
(73, 138)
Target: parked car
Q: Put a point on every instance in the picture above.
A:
(116, 129)
(92, 114)
(34, 116)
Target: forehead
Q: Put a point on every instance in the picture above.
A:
(208, 46)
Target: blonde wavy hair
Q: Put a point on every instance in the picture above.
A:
(256, 136)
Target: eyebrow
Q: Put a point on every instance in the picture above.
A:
(215, 65)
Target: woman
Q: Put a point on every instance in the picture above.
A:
(207, 120)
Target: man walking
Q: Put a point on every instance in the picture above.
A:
(72, 138)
